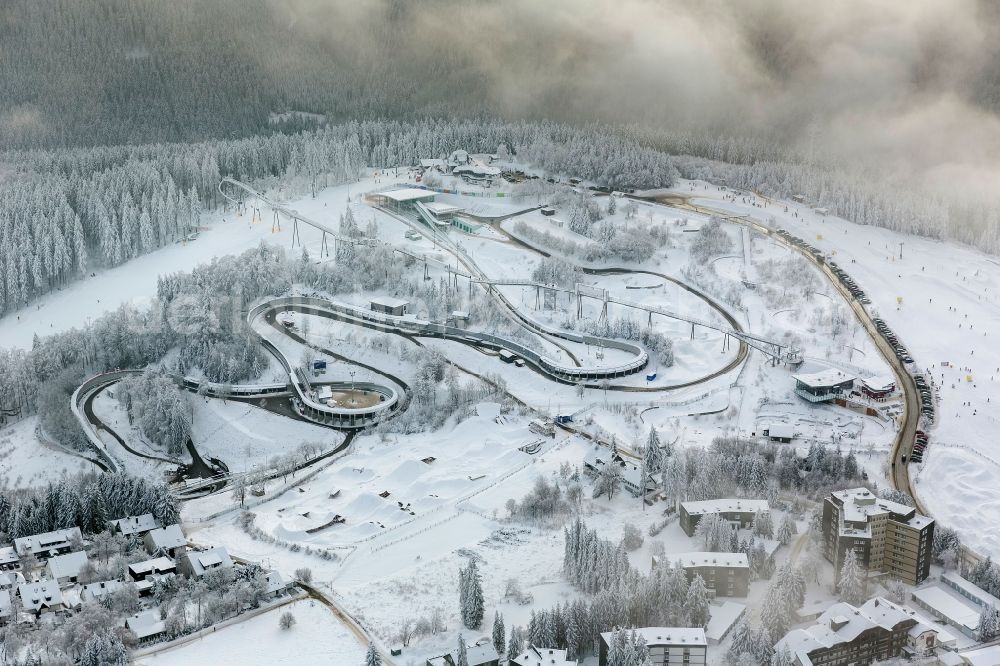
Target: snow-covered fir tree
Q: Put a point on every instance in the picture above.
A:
(852, 583)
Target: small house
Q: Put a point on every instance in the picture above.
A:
(41, 597)
(169, 540)
(66, 568)
(536, 656)
(197, 564)
(48, 544)
(95, 592)
(6, 607)
(388, 305)
(134, 525)
(8, 558)
(780, 432)
(146, 625)
(10, 579)
(158, 565)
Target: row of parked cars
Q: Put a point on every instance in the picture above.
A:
(926, 397)
(898, 347)
(919, 446)
(849, 283)
(840, 273)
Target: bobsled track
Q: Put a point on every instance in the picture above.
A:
(393, 395)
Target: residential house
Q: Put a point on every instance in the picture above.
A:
(535, 656)
(8, 558)
(66, 568)
(134, 525)
(95, 592)
(169, 540)
(41, 596)
(158, 565)
(196, 564)
(146, 625)
(6, 607)
(10, 579)
(478, 655)
(48, 544)
(274, 583)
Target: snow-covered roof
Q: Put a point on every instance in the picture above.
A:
(969, 589)
(783, 430)
(388, 301)
(481, 654)
(880, 383)
(171, 536)
(68, 565)
(432, 162)
(665, 636)
(155, 565)
(38, 543)
(706, 559)
(135, 524)
(407, 194)
(823, 378)
(214, 558)
(40, 594)
(146, 623)
(476, 169)
(6, 608)
(8, 555)
(949, 658)
(722, 618)
(535, 656)
(441, 208)
(97, 591)
(725, 505)
(859, 505)
(274, 582)
(842, 623)
(10, 579)
(987, 656)
(953, 607)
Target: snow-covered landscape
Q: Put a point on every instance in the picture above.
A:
(584, 334)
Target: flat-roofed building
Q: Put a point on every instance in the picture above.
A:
(389, 305)
(886, 537)
(823, 386)
(401, 199)
(877, 388)
(536, 656)
(666, 646)
(725, 574)
(739, 512)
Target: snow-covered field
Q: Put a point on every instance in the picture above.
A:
(941, 298)
(25, 461)
(402, 513)
(317, 637)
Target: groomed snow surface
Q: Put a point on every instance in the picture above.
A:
(317, 637)
(943, 301)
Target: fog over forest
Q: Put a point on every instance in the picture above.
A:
(908, 88)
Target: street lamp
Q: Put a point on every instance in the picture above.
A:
(353, 399)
